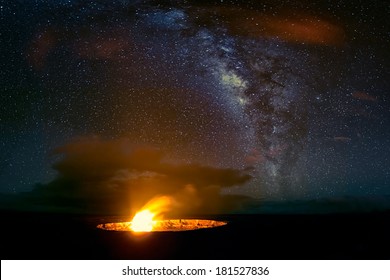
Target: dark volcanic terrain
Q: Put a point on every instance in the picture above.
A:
(333, 236)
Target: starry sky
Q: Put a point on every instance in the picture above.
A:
(293, 95)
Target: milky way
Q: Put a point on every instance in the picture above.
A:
(292, 94)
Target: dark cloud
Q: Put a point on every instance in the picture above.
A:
(113, 176)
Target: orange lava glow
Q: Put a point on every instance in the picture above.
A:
(149, 219)
(143, 221)
(166, 225)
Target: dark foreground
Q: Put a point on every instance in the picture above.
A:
(343, 236)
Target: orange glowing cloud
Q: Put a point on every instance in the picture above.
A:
(87, 44)
(289, 26)
(305, 29)
(364, 96)
(115, 176)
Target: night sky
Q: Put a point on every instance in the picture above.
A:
(274, 100)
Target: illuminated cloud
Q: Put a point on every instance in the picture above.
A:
(114, 176)
(290, 26)
(364, 96)
(305, 29)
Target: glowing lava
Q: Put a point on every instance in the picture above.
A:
(143, 221)
(165, 225)
(149, 219)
